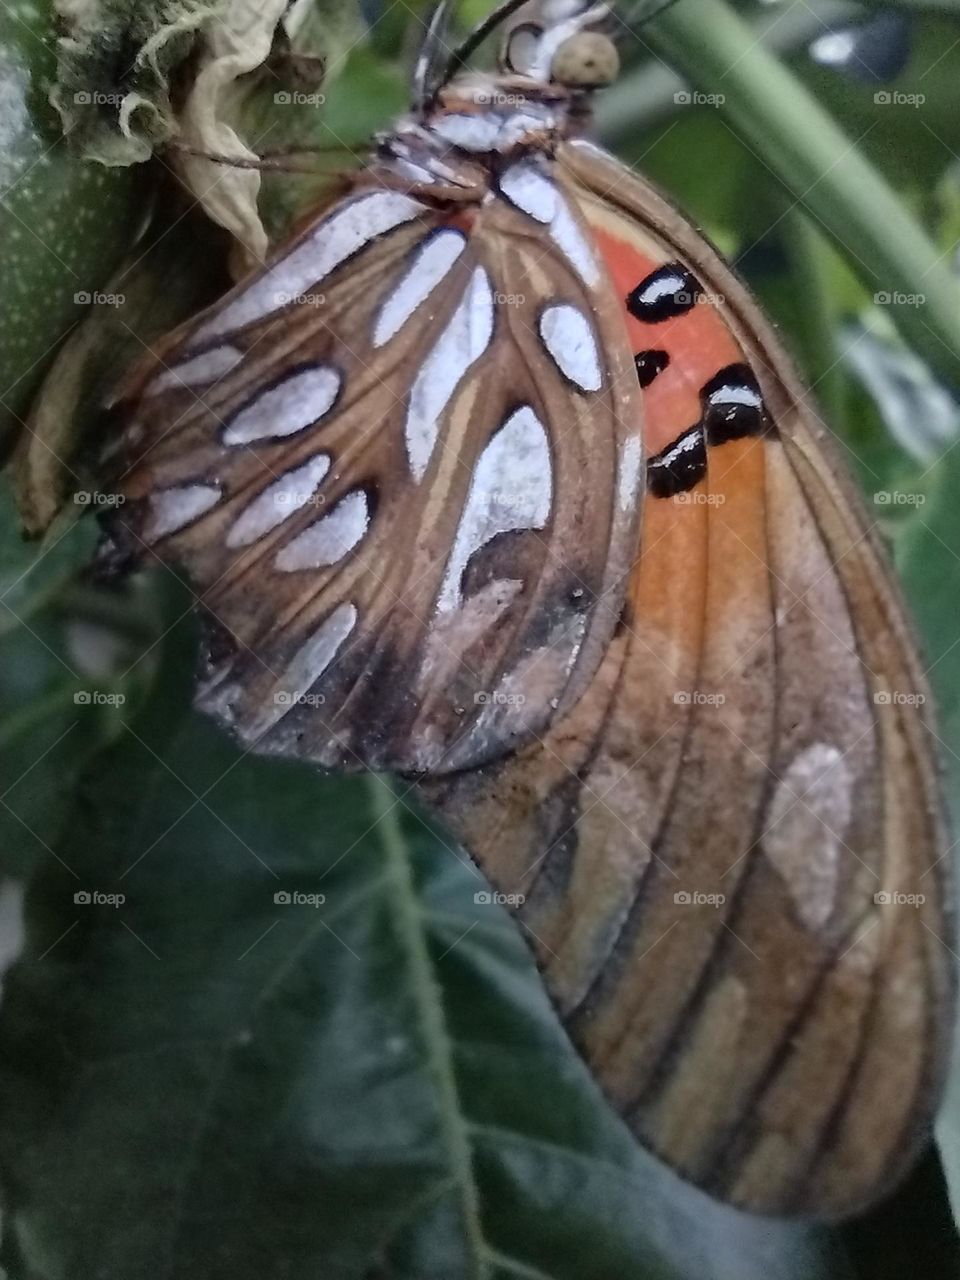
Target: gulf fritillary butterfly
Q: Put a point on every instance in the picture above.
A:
(496, 477)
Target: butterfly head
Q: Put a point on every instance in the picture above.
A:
(548, 49)
(560, 42)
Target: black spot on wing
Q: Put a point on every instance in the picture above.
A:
(670, 291)
(649, 365)
(679, 466)
(732, 408)
(733, 405)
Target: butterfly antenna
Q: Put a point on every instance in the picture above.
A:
(425, 82)
(477, 36)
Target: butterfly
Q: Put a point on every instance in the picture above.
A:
(494, 476)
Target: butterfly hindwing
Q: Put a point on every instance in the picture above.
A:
(730, 851)
(406, 501)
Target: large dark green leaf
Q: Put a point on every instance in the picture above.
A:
(61, 647)
(62, 220)
(204, 1080)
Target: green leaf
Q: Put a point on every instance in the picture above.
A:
(927, 550)
(63, 222)
(64, 647)
(926, 545)
(206, 1080)
(38, 718)
(177, 269)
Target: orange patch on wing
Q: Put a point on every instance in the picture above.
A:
(698, 344)
(722, 519)
(668, 583)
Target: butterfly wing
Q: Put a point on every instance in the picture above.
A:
(406, 501)
(731, 851)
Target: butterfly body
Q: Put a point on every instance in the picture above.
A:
(496, 477)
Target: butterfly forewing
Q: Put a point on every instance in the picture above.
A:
(401, 472)
(730, 853)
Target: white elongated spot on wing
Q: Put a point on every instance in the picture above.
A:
(339, 236)
(736, 394)
(284, 408)
(689, 442)
(328, 539)
(530, 190)
(522, 126)
(629, 471)
(430, 264)
(462, 343)
(208, 366)
(593, 148)
(511, 488)
(808, 818)
(278, 501)
(567, 335)
(565, 230)
(470, 131)
(307, 666)
(172, 509)
(414, 172)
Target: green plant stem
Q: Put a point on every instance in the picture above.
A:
(646, 96)
(384, 805)
(778, 119)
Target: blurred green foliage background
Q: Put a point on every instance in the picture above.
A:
(201, 1080)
